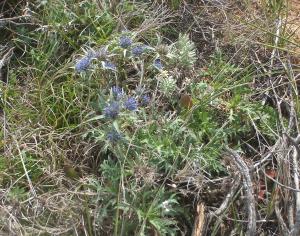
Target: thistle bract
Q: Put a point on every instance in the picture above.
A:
(114, 136)
(117, 92)
(138, 50)
(130, 104)
(158, 64)
(83, 64)
(145, 99)
(125, 41)
(112, 110)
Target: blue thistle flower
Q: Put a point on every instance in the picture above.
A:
(117, 92)
(145, 99)
(114, 136)
(83, 64)
(131, 104)
(158, 64)
(112, 110)
(125, 41)
(138, 50)
(109, 65)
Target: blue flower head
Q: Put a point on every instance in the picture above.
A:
(125, 41)
(145, 99)
(131, 104)
(138, 50)
(83, 64)
(109, 65)
(114, 136)
(112, 110)
(158, 64)
(117, 92)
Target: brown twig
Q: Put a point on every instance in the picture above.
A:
(283, 226)
(5, 58)
(247, 182)
(229, 196)
(3, 61)
(284, 181)
(199, 221)
(225, 204)
(295, 158)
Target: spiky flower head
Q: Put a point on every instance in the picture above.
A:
(125, 41)
(114, 136)
(83, 64)
(145, 100)
(158, 64)
(138, 50)
(117, 92)
(130, 104)
(112, 110)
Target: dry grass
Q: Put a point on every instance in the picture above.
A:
(50, 179)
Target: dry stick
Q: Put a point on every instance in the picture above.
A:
(284, 229)
(294, 223)
(225, 204)
(199, 223)
(296, 228)
(14, 20)
(284, 176)
(6, 57)
(290, 214)
(283, 226)
(247, 182)
(284, 168)
(296, 156)
(267, 156)
(293, 117)
(228, 197)
(280, 184)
